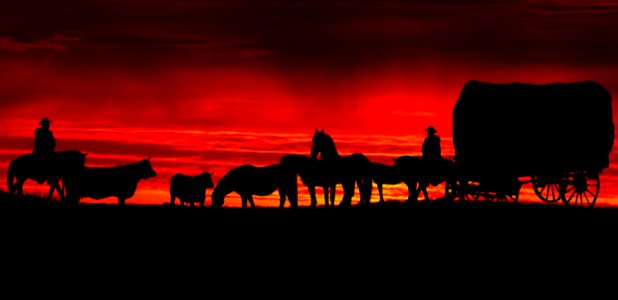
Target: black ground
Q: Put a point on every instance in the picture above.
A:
(391, 247)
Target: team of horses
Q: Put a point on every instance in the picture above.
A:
(330, 169)
(324, 168)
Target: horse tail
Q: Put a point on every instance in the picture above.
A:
(11, 177)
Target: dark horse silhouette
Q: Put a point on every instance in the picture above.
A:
(386, 174)
(247, 180)
(425, 172)
(98, 183)
(347, 170)
(312, 173)
(51, 169)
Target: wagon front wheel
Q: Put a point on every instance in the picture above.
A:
(581, 190)
(547, 188)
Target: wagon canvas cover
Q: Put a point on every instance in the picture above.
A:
(532, 129)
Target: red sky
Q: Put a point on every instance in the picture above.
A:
(210, 85)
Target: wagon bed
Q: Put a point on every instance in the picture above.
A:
(560, 135)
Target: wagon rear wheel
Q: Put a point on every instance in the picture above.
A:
(547, 188)
(581, 189)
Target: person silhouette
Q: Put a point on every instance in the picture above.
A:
(432, 153)
(431, 144)
(44, 141)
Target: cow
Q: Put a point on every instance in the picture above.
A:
(98, 183)
(190, 189)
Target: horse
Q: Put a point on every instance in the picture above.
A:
(190, 189)
(347, 170)
(248, 180)
(102, 182)
(385, 174)
(425, 172)
(51, 169)
(312, 173)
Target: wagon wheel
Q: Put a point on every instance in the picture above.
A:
(547, 188)
(581, 189)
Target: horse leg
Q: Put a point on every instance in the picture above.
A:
(20, 188)
(172, 199)
(362, 191)
(425, 193)
(422, 186)
(325, 188)
(365, 187)
(192, 203)
(51, 192)
(244, 200)
(380, 191)
(60, 190)
(282, 199)
(250, 198)
(348, 193)
(332, 194)
(311, 189)
(121, 201)
(412, 191)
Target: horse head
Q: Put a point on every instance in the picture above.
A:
(218, 197)
(320, 142)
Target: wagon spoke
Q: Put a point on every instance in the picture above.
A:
(581, 199)
(542, 188)
(590, 193)
(571, 197)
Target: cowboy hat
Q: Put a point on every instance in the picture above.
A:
(431, 129)
(44, 121)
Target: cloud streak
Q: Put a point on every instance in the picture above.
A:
(56, 43)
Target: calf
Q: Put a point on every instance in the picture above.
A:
(190, 189)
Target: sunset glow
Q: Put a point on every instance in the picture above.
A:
(211, 85)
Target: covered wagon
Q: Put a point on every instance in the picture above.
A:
(556, 135)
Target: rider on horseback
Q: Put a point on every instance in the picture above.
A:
(44, 146)
(44, 141)
(432, 152)
(431, 144)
